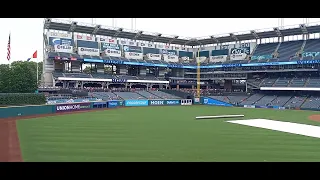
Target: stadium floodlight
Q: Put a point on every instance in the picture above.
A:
(277, 30)
(156, 37)
(214, 38)
(171, 40)
(47, 22)
(303, 28)
(254, 34)
(73, 26)
(138, 34)
(96, 29)
(118, 32)
(234, 37)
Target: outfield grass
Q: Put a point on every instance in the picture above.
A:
(164, 134)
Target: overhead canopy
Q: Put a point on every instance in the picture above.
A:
(61, 25)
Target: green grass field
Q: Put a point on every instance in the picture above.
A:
(164, 134)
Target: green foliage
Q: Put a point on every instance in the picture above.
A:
(21, 99)
(19, 77)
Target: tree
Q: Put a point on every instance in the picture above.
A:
(19, 77)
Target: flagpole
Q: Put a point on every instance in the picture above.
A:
(37, 72)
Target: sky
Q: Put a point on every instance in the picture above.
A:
(26, 33)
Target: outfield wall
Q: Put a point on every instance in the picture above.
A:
(18, 111)
(214, 102)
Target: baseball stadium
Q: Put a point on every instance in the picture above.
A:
(108, 94)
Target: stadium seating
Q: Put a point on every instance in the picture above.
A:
(280, 101)
(289, 49)
(268, 82)
(237, 99)
(164, 95)
(129, 95)
(313, 82)
(312, 102)
(105, 96)
(265, 100)
(282, 82)
(295, 102)
(147, 95)
(265, 49)
(252, 99)
(298, 82)
(221, 98)
(312, 45)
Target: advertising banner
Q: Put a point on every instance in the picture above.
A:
(210, 101)
(111, 49)
(221, 58)
(113, 104)
(237, 57)
(186, 102)
(132, 49)
(88, 51)
(61, 44)
(84, 37)
(59, 35)
(173, 102)
(169, 52)
(154, 56)
(239, 53)
(201, 59)
(261, 57)
(249, 106)
(63, 48)
(148, 45)
(119, 80)
(72, 107)
(112, 52)
(156, 102)
(129, 43)
(133, 55)
(170, 58)
(107, 40)
(136, 102)
(163, 102)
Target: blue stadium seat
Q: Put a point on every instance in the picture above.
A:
(289, 49)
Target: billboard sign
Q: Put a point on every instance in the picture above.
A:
(154, 56)
(136, 103)
(72, 107)
(133, 55)
(210, 101)
(239, 53)
(113, 104)
(111, 49)
(63, 48)
(88, 51)
(170, 58)
(220, 58)
(132, 49)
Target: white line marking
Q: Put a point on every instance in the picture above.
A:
(289, 127)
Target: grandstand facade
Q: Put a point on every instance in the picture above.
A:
(275, 59)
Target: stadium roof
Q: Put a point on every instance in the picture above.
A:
(71, 26)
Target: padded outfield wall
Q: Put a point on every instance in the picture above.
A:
(20, 111)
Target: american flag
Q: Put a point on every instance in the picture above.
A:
(9, 49)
